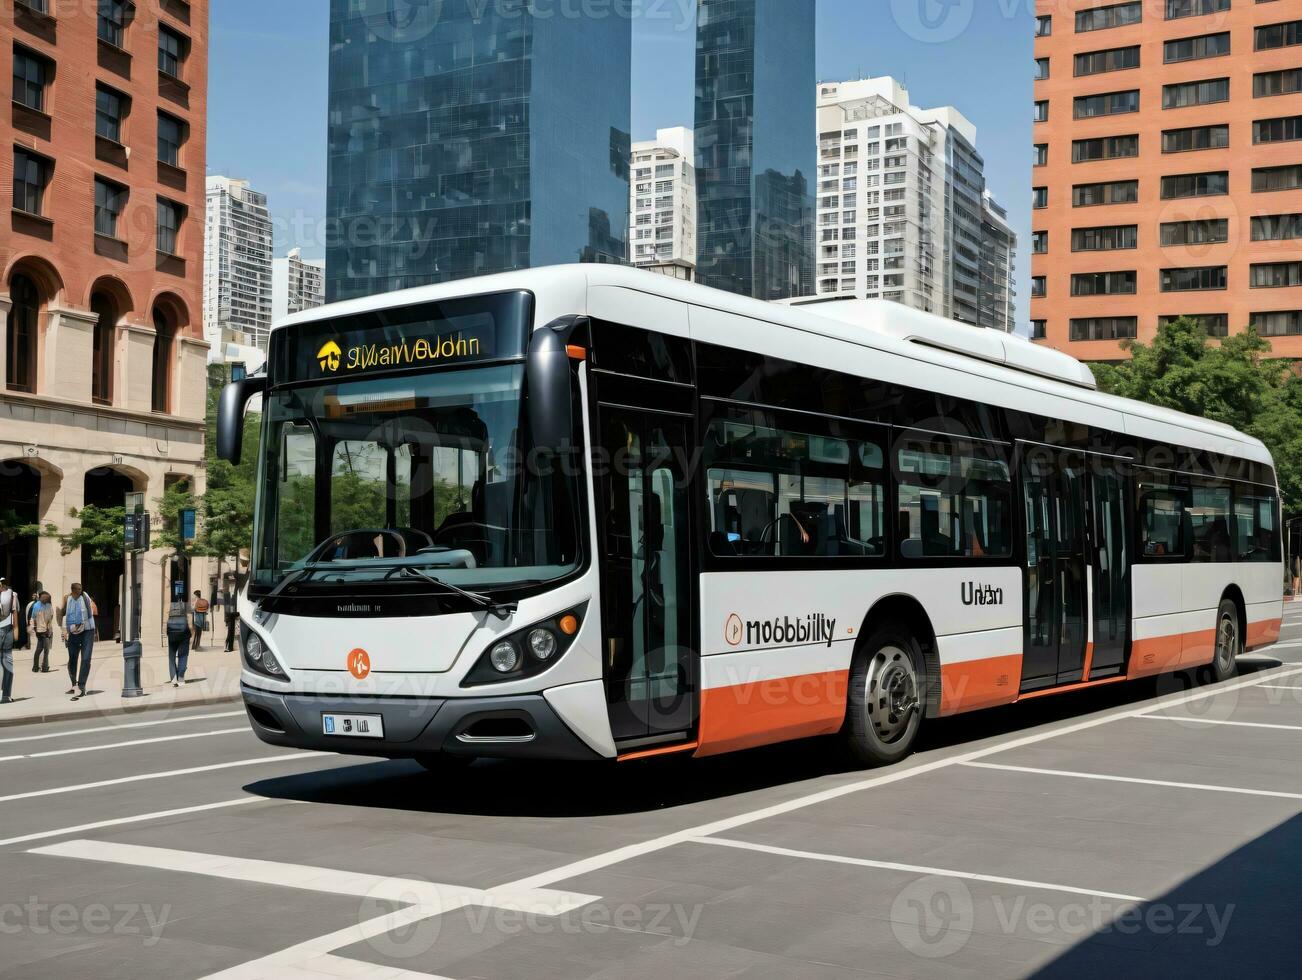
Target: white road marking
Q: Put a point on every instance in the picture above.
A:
(116, 728)
(406, 891)
(1204, 787)
(137, 818)
(144, 776)
(913, 869)
(244, 729)
(1281, 687)
(1215, 721)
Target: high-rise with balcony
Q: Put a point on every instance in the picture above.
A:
(998, 262)
(237, 265)
(102, 365)
(754, 139)
(472, 138)
(662, 215)
(1168, 171)
(297, 284)
(900, 202)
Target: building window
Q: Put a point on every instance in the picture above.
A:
(1041, 69)
(1216, 324)
(1040, 197)
(1276, 227)
(1039, 329)
(1039, 242)
(1185, 94)
(170, 217)
(1195, 138)
(1278, 35)
(1113, 59)
(1109, 192)
(1043, 26)
(1042, 111)
(1282, 323)
(1274, 275)
(171, 52)
(1039, 287)
(1267, 84)
(164, 340)
(1285, 178)
(1106, 104)
(101, 375)
(31, 177)
(1176, 9)
(1104, 328)
(1103, 283)
(1104, 148)
(1277, 130)
(1107, 238)
(1193, 279)
(1194, 48)
(1040, 154)
(113, 22)
(32, 75)
(1208, 231)
(1196, 185)
(171, 135)
(110, 109)
(1115, 15)
(20, 338)
(110, 199)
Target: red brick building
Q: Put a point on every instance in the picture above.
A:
(102, 370)
(1168, 170)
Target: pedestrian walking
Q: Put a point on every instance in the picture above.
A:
(232, 614)
(77, 619)
(8, 615)
(200, 616)
(26, 620)
(40, 624)
(178, 642)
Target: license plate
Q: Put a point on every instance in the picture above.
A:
(353, 726)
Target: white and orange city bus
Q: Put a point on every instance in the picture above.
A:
(587, 512)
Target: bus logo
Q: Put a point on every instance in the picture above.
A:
(732, 630)
(359, 664)
(329, 356)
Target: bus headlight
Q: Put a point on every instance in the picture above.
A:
(504, 657)
(253, 649)
(525, 652)
(257, 657)
(542, 643)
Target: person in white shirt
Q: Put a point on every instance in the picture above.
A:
(8, 614)
(77, 617)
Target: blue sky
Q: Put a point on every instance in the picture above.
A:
(267, 89)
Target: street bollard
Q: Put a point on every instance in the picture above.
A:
(131, 670)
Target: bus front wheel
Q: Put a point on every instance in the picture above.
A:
(884, 707)
(1229, 643)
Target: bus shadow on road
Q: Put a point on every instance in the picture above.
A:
(533, 788)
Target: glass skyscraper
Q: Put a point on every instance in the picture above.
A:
(470, 138)
(755, 146)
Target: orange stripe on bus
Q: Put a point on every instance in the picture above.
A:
(1263, 633)
(743, 716)
(661, 750)
(979, 683)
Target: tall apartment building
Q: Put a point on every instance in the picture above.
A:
(297, 284)
(662, 213)
(237, 265)
(998, 265)
(1168, 171)
(102, 375)
(472, 138)
(900, 201)
(754, 166)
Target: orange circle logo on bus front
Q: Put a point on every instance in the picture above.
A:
(732, 630)
(359, 664)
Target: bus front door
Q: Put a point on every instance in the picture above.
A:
(1053, 488)
(649, 666)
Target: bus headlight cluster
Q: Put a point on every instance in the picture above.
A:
(526, 652)
(256, 655)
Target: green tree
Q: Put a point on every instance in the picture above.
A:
(99, 533)
(1236, 382)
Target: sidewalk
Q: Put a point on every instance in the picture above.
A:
(212, 677)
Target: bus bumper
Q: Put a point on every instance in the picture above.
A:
(519, 727)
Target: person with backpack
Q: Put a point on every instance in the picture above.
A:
(8, 616)
(40, 624)
(77, 619)
(178, 642)
(200, 618)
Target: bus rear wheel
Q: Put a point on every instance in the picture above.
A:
(1229, 643)
(884, 707)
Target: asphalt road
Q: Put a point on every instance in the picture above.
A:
(1144, 828)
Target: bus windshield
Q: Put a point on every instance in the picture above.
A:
(428, 471)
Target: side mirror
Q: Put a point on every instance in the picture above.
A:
(551, 418)
(230, 416)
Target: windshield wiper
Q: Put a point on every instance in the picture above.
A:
(502, 610)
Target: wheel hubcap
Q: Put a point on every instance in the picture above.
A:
(892, 693)
(1227, 642)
